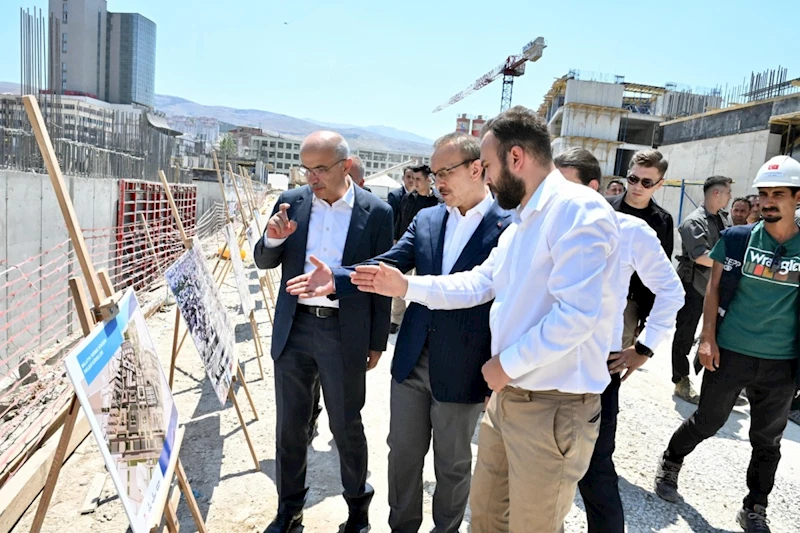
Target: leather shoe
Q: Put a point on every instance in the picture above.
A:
(285, 523)
(356, 523)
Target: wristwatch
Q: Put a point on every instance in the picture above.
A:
(641, 349)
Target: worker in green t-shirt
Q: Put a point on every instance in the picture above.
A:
(755, 346)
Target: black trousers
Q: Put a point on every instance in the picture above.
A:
(599, 486)
(685, 329)
(770, 387)
(314, 352)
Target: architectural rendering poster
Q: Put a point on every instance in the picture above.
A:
(205, 316)
(121, 386)
(238, 270)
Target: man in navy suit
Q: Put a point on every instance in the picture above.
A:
(437, 386)
(332, 341)
(396, 195)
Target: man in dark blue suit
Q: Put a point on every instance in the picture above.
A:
(332, 341)
(396, 195)
(437, 386)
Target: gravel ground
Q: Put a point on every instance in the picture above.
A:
(234, 497)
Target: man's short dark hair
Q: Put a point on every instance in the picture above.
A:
(425, 169)
(743, 199)
(519, 126)
(617, 181)
(583, 161)
(407, 168)
(650, 158)
(715, 181)
(468, 145)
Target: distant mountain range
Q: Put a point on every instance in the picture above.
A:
(370, 137)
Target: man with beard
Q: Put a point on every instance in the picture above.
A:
(740, 209)
(749, 340)
(552, 277)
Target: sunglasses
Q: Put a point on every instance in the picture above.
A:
(777, 259)
(647, 183)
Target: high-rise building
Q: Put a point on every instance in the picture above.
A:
(108, 56)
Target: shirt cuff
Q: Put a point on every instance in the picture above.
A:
(651, 338)
(418, 287)
(512, 362)
(273, 243)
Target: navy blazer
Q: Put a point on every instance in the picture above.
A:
(364, 319)
(459, 341)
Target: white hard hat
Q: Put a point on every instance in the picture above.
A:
(780, 171)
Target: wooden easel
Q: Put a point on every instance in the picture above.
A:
(104, 308)
(187, 243)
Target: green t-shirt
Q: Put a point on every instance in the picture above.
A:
(761, 321)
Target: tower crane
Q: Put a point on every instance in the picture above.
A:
(512, 67)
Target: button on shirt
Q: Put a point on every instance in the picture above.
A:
(552, 277)
(327, 233)
(640, 251)
(459, 230)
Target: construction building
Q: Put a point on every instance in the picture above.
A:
(613, 118)
(107, 56)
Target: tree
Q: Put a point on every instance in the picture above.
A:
(227, 147)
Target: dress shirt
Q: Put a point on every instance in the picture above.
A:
(459, 230)
(552, 277)
(640, 251)
(327, 234)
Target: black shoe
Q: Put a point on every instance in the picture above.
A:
(753, 520)
(285, 523)
(393, 328)
(666, 484)
(356, 523)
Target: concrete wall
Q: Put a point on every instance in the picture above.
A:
(605, 153)
(587, 123)
(736, 156)
(207, 193)
(594, 92)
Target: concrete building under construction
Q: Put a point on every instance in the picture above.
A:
(613, 118)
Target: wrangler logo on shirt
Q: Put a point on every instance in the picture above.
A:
(757, 265)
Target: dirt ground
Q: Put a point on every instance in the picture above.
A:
(235, 497)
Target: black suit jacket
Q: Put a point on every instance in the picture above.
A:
(364, 319)
(459, 341)
(394, 199)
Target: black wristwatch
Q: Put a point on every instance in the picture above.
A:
(641, 349)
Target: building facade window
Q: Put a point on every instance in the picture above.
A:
(296, 157)
(272, 144)
(64, 13)
(296, 146)
(64, 43)
(280, 145)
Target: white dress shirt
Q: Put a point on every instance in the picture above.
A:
(553, 279)
(640, 251)
(327, 233)
(459, 230)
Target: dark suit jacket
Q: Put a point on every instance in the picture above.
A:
(364, 318)
(459, 341)
(394, 199)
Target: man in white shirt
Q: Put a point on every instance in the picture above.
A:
(553, 277)
(640, 251)
(320, 339)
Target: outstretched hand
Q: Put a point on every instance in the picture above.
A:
(317, 283)
(380, 279)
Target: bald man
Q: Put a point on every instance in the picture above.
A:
(357, 173)
(332, 341)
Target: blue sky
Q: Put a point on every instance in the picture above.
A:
(391, 63)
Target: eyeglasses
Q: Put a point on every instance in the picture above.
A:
(777, 259)
(647, 183)
(442, 174)
(316, 171)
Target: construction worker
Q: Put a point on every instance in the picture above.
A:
(749, 340)
(699, 233)
(639, 251)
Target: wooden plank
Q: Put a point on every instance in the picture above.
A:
(232, 396)
(191, 502)
(94, 493)
(64, 200)
(20, 491)
(175, 213)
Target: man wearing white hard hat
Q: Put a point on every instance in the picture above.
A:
(749, 339)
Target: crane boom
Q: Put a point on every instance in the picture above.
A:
(512, 66)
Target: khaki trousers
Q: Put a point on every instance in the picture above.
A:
(630, 329)
(533, 448)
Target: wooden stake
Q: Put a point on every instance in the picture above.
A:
(191, 502)
(257, 337)
(175, 213)
(232, 396)
(175, 346)
(246, 390)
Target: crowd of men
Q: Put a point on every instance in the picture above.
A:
(532, 297)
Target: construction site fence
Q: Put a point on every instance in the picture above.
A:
(39, 326)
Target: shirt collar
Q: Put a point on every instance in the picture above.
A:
(348, 199)
(481, 208)
(543, 193)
